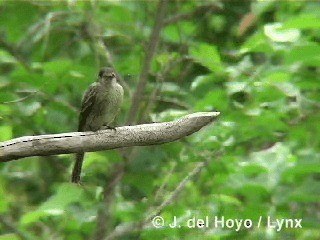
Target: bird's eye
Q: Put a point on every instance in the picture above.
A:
(111, 75)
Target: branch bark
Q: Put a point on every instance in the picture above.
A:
(127, 136)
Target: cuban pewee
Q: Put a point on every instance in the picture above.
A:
(100, 105)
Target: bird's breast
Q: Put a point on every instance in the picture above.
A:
(112, 101)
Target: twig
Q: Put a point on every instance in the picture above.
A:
(43, 94)
(14, 51)
(175, 102)
(157, 89)
(21, 99)
(109, 58)
(103, 216)
(151, 49)
(14, 229)
(57, 100)
(160, 190)
(189, 15)
(185, 72)
(120, 231)
(137, 96)
(152, 98)
(131, 153)
(178, 189)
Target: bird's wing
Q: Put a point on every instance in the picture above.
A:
(88, 102)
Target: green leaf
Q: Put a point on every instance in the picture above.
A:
(229, 200)
(201, 80)
(234, 87)
(4, 201)
(177, 33)
(256, 43)
(5, 133)
(274, 160)
(66, 194)
(212, 100)
(59, 66)
(308, 54)
(207, 55)
(288, 89)
(309, 191)
(275, 32)
(277, 77)
(6, 57)
(302, 22)
(9, 236)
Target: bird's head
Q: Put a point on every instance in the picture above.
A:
(107, 75)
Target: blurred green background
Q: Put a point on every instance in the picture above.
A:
(257, 62)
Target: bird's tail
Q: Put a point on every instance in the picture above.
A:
(76, 172)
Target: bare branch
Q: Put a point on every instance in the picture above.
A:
(109, 58)
(14, 51)
(173, 101)
(32, 93)
(151, 49)
(127, 136)
(104, 214)
(122, 230)
(190, 15)
(14, 229)
(134, 111)
(178, 189)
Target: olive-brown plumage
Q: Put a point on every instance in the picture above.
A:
(100, 105)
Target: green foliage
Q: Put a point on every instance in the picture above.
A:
(262, 157)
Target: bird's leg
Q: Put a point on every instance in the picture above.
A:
(105, 126)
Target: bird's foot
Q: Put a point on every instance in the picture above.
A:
(109, 127)
(77, 182)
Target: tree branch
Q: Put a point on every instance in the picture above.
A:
(177, 191)
(151, 49)
(103, 216)
(200, 10)
(122, 230)
(127, 136)
(14, 229)
(14, 51)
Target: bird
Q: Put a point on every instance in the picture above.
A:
(101, 103)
